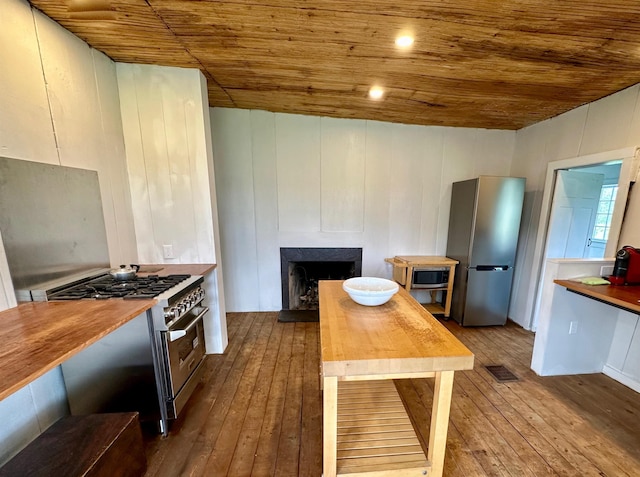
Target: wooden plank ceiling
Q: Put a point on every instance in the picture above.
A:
(475, 63)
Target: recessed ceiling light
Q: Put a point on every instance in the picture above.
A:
(376, 92)
(404, 41)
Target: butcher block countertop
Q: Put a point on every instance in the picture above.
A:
(623, 296)
(361, 348)
(37, 337)
(397, 337)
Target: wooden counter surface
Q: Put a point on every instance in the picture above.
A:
(627, 297)
(176, 269)
(361, 347)
(420, 260)
(37, 337)
(397, 337)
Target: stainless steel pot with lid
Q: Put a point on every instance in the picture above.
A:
(125, 272)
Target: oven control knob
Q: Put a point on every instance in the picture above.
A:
(170, 314)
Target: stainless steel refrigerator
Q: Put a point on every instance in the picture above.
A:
(484, 223)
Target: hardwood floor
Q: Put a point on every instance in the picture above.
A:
(259, 411)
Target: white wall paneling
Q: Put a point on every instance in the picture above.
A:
(49, 398)
(564, 136)
(73, 93)
(112, 166)
(296, 181)
(608, 121)
(19, 423)
(433, 230)
(164, 124)
(631, 365)
(623, 335)
(342, 165)
(216, 327)
(83, 94)
(623, 363)
(26, 130)
(170, 161)
(265, 192)
(298, 169)
(30, 411)
(378, 173)
(406, 187)
(555, 350)
(142, 214)
(235, 182)
(201, 167)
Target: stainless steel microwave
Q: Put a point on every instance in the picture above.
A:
(430, 277)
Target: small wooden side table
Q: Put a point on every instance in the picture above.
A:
(403, 266)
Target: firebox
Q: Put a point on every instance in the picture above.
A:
(302, 268)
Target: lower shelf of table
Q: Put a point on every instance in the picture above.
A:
(434, 308)
(375, 435)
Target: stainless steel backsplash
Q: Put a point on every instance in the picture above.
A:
(51, 221)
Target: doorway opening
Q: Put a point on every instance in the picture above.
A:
(628, 161)
(582, 211)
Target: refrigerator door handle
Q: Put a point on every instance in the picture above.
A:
(491, 268)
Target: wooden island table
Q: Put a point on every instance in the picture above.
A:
(366, 430)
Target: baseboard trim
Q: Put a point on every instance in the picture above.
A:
(622, 378)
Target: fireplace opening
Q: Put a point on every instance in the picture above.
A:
(303, 268)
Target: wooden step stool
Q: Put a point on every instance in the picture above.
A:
(94, 445)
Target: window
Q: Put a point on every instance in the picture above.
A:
(605, 212)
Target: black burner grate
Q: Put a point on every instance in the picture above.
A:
(105, 286)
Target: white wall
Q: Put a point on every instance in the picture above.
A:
(604, 339)
(165, 115)
(58, 104)
(608, 124)
(305, 181)
(163, 118)
(555, 350)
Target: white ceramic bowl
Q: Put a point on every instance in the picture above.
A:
(370, 291)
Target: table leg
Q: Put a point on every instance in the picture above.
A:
(329, 425)
(439, 421)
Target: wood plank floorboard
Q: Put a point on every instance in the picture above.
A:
(258, 411)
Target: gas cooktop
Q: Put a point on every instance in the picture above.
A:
(105, 286)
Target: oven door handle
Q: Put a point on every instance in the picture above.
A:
(177, 334)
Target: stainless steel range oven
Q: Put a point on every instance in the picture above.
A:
(152, 363)
(178, 324)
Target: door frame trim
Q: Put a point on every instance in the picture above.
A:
(628, 173)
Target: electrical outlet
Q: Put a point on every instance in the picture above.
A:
(168, 251)
(573, 327)
(606, 270)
